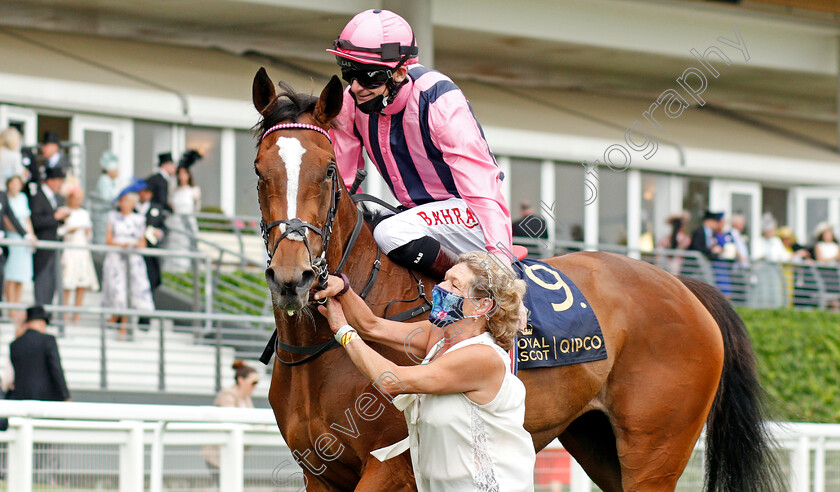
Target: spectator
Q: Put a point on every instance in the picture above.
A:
(740, 240)
(155, 231)
(126, 230)
(794, 250)
(530, 226)
(769, 246)
(11, 159)
(51, 158)
(703, 239)
(238, 395)
(676, 239)
(826, 249)
(48, 212)
(18, 264)
(159, 182)
(186, 201)
(107, 190)
(39, 376)
(37, 365)
(77, 270)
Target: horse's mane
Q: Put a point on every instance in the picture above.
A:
(287, 106)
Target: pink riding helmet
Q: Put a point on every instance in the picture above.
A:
(377, 37)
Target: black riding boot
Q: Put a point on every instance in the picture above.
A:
(425, 255)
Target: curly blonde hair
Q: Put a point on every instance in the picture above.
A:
(498, 282)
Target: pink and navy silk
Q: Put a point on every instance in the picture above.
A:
(428, 147)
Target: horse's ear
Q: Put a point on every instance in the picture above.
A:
(263, 90)
(329, 104)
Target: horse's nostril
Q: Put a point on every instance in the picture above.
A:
(307, 278)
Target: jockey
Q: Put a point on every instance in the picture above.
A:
(421, 134)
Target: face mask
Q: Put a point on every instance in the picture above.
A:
(447, 307)
(375, 105)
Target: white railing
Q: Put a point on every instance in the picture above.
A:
(134, 448)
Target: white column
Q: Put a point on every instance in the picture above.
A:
(548, 199)
(418, 13)
(131, 459)
(800, 470)
(228, 177)
(232, 470)
(590, 208)
(634, 212)
(19, 470)
(156, 459)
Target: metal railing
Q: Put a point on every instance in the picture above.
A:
(803, 285)
(162, 448)
(218, 330)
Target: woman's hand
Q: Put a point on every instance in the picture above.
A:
(334, 313)
(334, 286)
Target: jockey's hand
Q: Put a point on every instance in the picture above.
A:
(334, 286)
(334, 313)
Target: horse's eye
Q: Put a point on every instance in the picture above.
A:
(257, 172)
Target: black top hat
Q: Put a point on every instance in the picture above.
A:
(56, 172)
(36, 312)
(164, 158)
(709, 215)
(51, 137)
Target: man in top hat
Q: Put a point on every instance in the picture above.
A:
(48, 212)
(39, 376)
(159, 182)
(51, 157)
(703, 239)
(34, 355)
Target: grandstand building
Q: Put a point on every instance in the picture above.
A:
(685, 104)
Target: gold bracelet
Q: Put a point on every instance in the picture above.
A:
(348, 337)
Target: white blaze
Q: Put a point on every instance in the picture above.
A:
(291, 151)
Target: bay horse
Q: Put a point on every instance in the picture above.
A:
(678, 355)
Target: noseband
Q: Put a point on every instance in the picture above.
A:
(299, 227)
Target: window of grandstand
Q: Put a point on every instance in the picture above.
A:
(150, 139)
(612, 206)
(568, 201)
(207, 173)
(246, 180)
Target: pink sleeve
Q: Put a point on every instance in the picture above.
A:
(348, 147)
(455, 132)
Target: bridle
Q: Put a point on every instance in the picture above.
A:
(299, 227)
(319, 264)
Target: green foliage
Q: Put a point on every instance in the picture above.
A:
(236, 292)
(799, 361)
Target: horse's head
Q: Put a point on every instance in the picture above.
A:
(297, 184)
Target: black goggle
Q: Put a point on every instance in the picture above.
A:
(369, 79)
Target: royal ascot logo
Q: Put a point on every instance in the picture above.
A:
(542, 348)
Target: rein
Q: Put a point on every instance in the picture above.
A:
(319, 264)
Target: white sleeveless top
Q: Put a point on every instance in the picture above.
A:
(459, 445)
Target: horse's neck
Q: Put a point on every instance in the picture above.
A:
(360, 261)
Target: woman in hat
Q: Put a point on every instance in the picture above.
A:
(107, 190)
(826, 249)
(185, 202)
(126, 229)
